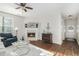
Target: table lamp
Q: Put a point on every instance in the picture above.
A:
(16, 29)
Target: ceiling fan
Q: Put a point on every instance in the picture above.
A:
(23, 6)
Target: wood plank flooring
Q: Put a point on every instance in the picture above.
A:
(68, 48)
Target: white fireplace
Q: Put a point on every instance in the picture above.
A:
(32, 34)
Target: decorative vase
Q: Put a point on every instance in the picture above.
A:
(48, 27)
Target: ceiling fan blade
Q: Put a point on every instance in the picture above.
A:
(29, 8)
(18, 7)
(25, 10)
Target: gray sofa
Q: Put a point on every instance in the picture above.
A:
(8, 39)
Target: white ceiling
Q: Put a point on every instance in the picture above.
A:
(38, 8)
(10, 8)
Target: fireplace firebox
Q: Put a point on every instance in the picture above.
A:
(31, 34)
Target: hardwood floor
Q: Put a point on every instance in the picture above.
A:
(68, 48)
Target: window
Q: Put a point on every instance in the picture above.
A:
(5, 24)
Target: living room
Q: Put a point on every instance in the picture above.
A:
(31, 23)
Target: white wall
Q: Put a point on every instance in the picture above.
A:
(78, 30)
(9, 10)
(44, 13)
(51, 13)
(16, 22)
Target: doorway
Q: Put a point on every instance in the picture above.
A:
(70, 27)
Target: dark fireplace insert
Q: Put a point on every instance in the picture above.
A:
(31, 34)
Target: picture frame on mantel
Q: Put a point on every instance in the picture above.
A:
(31, 25)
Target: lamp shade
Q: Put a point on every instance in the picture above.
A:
(16, 28)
